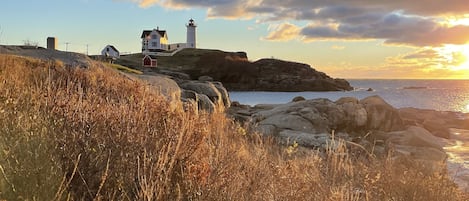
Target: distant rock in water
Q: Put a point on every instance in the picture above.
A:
(237, 73)
(298, 98)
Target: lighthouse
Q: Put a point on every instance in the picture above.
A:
(191, 34)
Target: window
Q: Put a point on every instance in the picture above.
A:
(154, 36)
(107, 49)
(154, 44)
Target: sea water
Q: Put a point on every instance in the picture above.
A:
(441, 95)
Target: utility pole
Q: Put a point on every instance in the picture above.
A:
(66, 46)
(1, 32)
(87, 45)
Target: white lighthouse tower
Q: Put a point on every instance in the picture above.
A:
(191, 34)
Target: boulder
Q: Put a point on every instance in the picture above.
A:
(235, 104)
(223, 92)
(205, 78)
(289, 121)
(380, 115)
(437, 122)
(356, 116)
(311, 140)
(162, 84)
(415, 137)
(438, 127)
(298, 98)
(206, 88)
(320, 123)
(189, 94)
(266, 130)
(329, 110)
(71, 59)
(416, 143)
(304, 139)
(346, 114)
(204, 103)
(420, 153)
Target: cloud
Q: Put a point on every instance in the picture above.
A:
(428, 58)
(230, 9)
(421, 63)
(341, 7)
(337, 47)
(393, 28)
(283, 32)
(413, 23)
(147, 3)
(421, 54)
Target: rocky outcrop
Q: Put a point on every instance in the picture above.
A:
(311, 122)
(237, 73)
(381, 115)
(416, 142)
(207, 95)
(371, 123)
(437, 122)
(71, 59)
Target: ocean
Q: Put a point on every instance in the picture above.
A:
(442, 95)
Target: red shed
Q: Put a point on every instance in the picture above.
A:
(149, 61)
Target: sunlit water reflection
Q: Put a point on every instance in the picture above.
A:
(457, 148)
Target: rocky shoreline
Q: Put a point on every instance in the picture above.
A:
(370, 123)
(371, 126)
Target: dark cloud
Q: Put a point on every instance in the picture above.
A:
(415, 23)
(393, 28)
(324, 32)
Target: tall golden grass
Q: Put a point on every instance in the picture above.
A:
(93, 134)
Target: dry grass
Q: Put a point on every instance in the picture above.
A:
(91, 134)
(125, 69)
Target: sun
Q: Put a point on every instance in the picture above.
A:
(465, 53)
(456, 55)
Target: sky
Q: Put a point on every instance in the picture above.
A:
(352, 39)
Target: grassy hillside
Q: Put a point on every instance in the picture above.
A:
(92, 134)
(183, 60)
